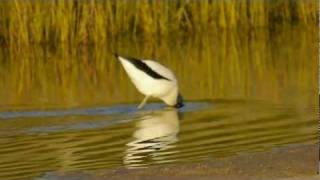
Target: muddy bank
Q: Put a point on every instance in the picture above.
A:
(293, 162)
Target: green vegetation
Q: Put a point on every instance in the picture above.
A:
(97, 21)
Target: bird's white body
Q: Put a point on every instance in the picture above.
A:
(164, 88)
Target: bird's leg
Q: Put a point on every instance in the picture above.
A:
(143, 102)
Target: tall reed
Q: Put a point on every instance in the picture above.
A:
(97, 21)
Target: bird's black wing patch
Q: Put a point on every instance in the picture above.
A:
(145, 68)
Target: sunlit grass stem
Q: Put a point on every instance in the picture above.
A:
(91, 22)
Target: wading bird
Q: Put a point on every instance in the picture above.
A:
(153, 80)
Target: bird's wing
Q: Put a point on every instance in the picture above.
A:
(160, 69)
(142, 65)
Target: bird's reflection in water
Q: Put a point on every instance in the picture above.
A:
(153, 139)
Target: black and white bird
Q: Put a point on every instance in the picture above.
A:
(153, 80)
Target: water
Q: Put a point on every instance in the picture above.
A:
(75, 109)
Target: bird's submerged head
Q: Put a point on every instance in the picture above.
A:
(173, 98)
(179, 103)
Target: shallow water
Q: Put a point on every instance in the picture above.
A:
(76, 109)
(93, 138)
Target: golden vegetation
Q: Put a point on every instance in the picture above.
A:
(97, 21)
(278, 66)
(58, 53)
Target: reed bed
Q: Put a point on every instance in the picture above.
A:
(58, 53)
(97, 21)
(278, 67)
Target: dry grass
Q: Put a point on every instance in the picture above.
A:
(97, 21)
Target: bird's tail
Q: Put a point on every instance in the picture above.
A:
(116, 55)
(119, 58)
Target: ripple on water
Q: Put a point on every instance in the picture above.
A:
(108, 137)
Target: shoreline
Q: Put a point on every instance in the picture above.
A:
(294, 162)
